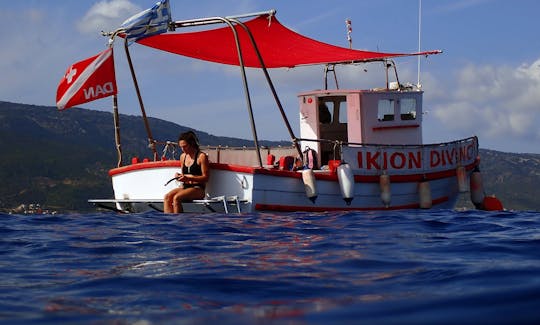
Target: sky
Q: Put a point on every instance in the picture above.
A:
(485, 83)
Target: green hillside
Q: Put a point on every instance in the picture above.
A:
(61, 159)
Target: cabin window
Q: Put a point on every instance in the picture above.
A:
(342, 112)
(408, 109)
(325, 116)
(385, 110)
(333, 110)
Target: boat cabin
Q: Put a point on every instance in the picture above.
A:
(359, 117)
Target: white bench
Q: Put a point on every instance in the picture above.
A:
(134, 205)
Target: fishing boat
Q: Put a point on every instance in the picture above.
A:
(357, 149)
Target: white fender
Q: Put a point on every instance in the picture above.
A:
(384, 183)
(461, 175)
(477, 189)
(424, 193)
(308, 176)
(346, 182)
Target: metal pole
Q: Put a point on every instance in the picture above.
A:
(227, 20)
(246, 88)
(117, 130)
(386, 66)
(274, 93)
(418, 85)
(151, 141)
(116, 116)
(217, 20)
(326, 77)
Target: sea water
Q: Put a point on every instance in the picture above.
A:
(406, 267)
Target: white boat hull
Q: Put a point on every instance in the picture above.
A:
(142, 187)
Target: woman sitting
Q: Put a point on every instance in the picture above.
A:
(195, 174)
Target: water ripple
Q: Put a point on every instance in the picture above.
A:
(415, 266)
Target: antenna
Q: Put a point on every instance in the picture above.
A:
(418, 85)
(349, 31)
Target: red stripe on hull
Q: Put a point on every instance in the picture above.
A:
(144, 165)
(328, 176)
(292, 208)
(412, 126)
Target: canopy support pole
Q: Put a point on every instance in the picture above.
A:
(217, 20)
(387, 65)
(151, 142)
(116, 117)
(117, 130)
(229, 21)
(246, 88)
(274, 93)
(330, 68)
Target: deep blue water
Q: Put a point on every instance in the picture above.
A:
(407, 267)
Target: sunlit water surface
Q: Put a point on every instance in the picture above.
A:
(407, 267)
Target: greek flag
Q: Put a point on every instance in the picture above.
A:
(149, 22)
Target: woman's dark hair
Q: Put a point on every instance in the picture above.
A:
(191, 138)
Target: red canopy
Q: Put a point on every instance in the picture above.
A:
(279, 46)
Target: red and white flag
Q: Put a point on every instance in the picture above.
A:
(87, 80)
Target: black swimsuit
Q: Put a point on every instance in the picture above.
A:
(195, 169)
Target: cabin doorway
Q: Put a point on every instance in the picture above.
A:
(332, 112)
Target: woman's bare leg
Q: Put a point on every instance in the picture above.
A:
(188, 194)
(168, 200)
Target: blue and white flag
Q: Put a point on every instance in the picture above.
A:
(149, 22)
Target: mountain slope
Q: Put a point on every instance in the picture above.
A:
(60, 159)
(514, 178)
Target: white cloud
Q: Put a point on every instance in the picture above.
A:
(107, 15)
(459, 5)
(494, 102)
(25, 60)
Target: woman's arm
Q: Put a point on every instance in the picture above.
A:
(177, 174)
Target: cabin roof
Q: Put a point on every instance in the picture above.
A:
(343, 92)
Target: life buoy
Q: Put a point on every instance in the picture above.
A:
(477, 189)
(308, 177)
(461, 175)
(346, 182)
(424, 195)
(386, 195)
